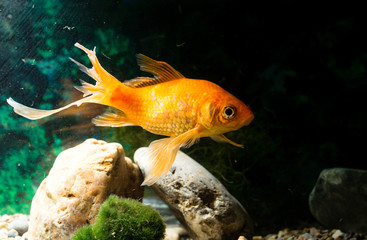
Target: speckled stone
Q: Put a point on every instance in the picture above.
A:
(199, 201)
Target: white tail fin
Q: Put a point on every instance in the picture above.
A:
(33, 114)
(92, 93)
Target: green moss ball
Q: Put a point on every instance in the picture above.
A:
(121, 218)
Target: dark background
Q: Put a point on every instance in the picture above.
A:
(300, 67)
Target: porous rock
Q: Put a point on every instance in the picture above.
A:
(199, 201)
(80, 180)
(338, 199)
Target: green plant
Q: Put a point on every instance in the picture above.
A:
(120, 218)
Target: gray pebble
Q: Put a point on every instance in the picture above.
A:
(307, 236)
(13, 233)
(337, 234)
(20, 225)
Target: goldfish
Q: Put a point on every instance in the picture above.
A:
(167, 104)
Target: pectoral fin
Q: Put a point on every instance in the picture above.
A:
(162, 153)
(222, 138)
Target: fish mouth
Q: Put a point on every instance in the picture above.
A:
(248, 120)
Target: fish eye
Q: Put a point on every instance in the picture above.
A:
(229, 112)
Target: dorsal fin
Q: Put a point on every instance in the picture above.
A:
(162, 72)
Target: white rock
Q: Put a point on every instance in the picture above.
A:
(79, 181)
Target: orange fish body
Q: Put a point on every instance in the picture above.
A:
(168, 104)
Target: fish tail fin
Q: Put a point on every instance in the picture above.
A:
(162, 153)
(34, 114)
(105, 84)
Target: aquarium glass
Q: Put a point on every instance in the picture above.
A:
(302, 71)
